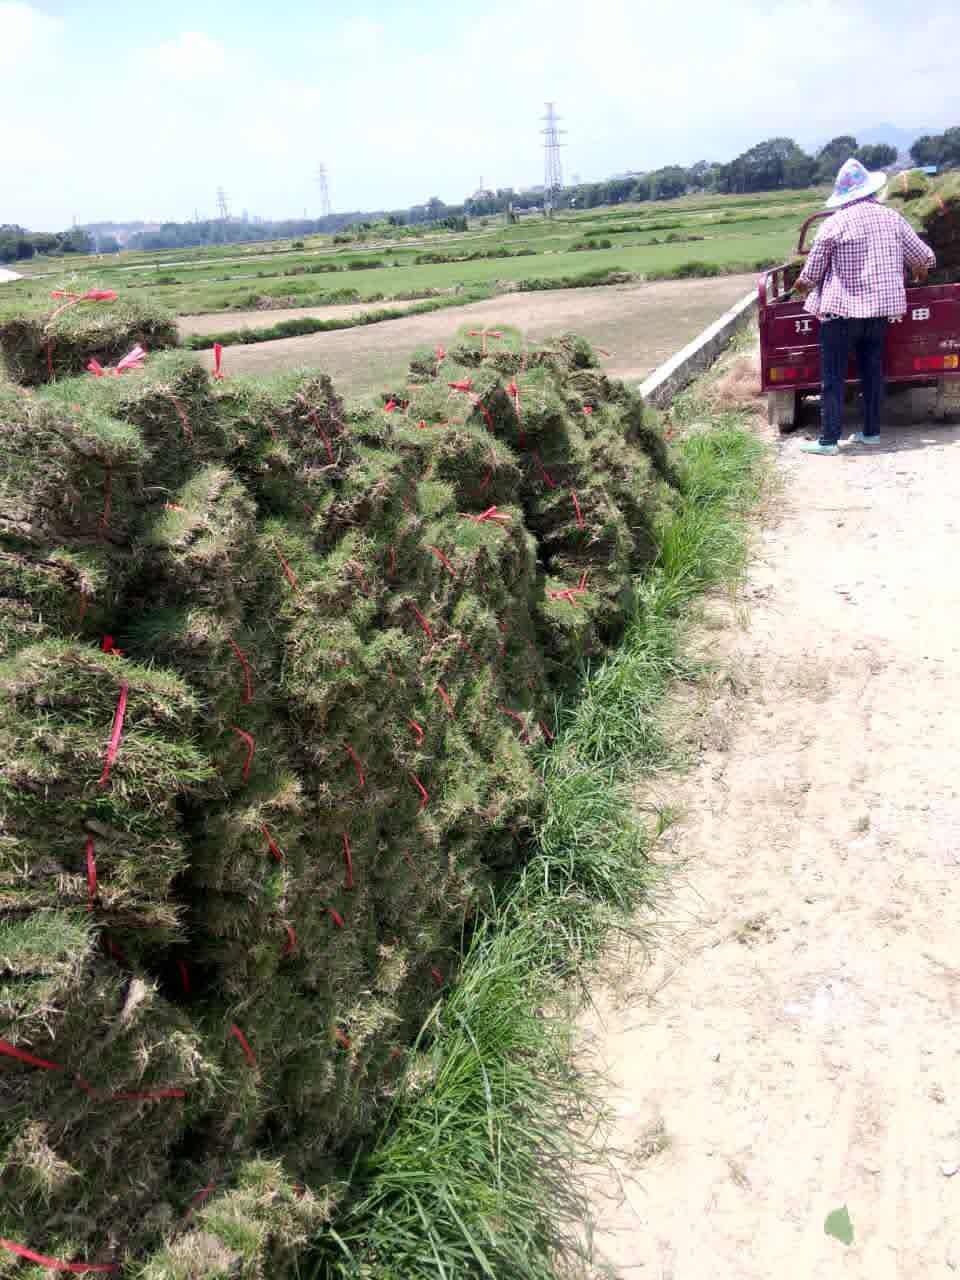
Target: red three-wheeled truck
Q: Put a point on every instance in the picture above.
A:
(923, 348)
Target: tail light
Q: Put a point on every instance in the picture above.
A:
(793, 373)
(927, 364)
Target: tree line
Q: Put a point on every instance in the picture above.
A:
(773, 165)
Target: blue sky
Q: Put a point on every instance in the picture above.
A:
(140, 111)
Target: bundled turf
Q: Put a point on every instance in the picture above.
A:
(938, 216)
(909, 185)
(274, 676)
(38, 349)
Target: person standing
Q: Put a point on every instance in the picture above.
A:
(853, 284)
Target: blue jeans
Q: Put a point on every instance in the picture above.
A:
(866, 337)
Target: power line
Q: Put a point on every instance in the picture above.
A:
(552, 172)
(325, 207)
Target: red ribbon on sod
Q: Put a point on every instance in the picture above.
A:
(55, 1264)
(116, 733)
(132, 360)
(244, 1044)
(91, 874)
(217, 357)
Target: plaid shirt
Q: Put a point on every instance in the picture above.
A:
(856, 263)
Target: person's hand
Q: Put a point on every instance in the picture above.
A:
(919, 275)
(801, 288)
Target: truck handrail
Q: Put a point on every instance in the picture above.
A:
(802, 249)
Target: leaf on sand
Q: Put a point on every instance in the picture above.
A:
(838, 1225)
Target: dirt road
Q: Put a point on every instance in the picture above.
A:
(795, 1047)
(641, 326)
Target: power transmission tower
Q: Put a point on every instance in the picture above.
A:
(222, 205)
(552, 172)
(325, 207)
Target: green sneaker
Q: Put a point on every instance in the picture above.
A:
(814, 446)
(859, 438)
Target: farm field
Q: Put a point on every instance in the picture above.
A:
(688, 237)
(639, 325)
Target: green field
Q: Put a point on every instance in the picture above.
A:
(725, 233)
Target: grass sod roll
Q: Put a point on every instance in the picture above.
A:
(38, 349)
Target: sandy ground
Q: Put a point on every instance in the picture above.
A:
(640, 325)
(793, 1045)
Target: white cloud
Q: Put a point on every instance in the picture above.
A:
(359, 35)
(26, 34)
(397, 119)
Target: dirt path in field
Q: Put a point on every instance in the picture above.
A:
(794, 1045)
(640, 325)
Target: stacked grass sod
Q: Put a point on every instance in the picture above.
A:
(933, 208)
(277, 673)
(938, 216)
(909, 185)
(37, 348)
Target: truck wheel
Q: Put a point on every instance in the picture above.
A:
(782, 409)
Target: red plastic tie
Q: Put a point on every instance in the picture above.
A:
(424, 793)
(11, 1051)
(277, 853)
(422, 620)
(336, 917)
(55, 1264)
(441, 356)
(484, 334)
(290, 575)
(437, 976)
(244, 1044)
(576, 507)
(417, 730)
(465, 384)
(182, 415)
(514, 715)
(251, 747)
(484, 410)
(491, 514)
(184, 977)
(116, 733)
(390, 406)
(91, 874)
(348, 859)
(546, 732)
(247, 685)
(107, 494)
(291, 943)
(342, 1038)
(446, 699)
(444, 561)
(107, 646)
(132, 360)
(548, 479)
(356, 763)
(217, 358)
(587, 410)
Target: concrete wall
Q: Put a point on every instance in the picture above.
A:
(664, 383)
